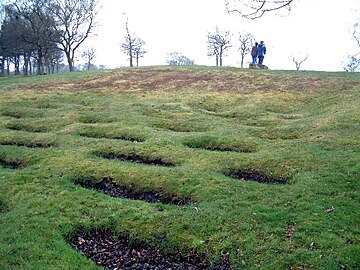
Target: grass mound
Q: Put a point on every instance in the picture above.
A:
(132, 135)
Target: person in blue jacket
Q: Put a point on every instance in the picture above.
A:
(254, 53)
(261, 51)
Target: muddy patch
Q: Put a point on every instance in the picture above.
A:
(120, 253)
(290, 231)
(128, 192)
(10, 164)
(155, 161)
(255, 176)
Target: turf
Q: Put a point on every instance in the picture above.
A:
(270, 160)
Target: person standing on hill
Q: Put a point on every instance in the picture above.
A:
(261, 51)
(254, 53)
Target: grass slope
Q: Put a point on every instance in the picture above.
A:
(211, 124)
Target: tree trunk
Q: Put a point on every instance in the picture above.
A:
(2, 66)
(26, 64)
(70, 60)
(30, 66)
(220, 56)
(17, 64)
(131, 60)
(40, 65)
(8, 66)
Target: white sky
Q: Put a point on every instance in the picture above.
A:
(319, 28)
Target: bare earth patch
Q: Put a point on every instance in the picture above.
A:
(127, 192)
(139, 159)
(168, 79)
(118, 253)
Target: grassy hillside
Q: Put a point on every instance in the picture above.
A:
(266, 165)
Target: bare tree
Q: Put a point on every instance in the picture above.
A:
(132, 46)
(178, 59)
(89, 54)
(353, 61)
(128, 44)
(246, 42)
(298, 61)
(138, 50)
(75, 19)
(218, 43)
(253, 9)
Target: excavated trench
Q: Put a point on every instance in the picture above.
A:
(240, 149)
(138, 159)
(119, 137)
(29, 144)
(10, 164)
(107, 187)
(255, 176)
(111, 252)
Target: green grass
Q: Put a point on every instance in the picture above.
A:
(299, 126)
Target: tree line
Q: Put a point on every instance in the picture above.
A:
(36, 35)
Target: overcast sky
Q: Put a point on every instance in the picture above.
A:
(319, 28)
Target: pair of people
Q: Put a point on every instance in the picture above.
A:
(258, 51)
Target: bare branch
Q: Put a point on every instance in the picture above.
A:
(218, 43)
(253, 9)
(298, 61)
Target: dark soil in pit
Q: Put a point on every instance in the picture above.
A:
(139, 159)
(222, 149)
(108, 187)
(123, 138)
(10, 164)
(3, 207)
(255, 176)
(118, 253)
(29, 145)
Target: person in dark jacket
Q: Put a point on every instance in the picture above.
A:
(261, 51)
(254, 53)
